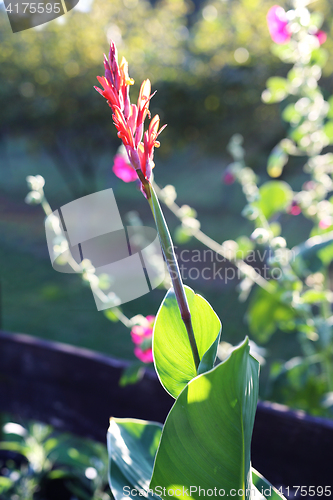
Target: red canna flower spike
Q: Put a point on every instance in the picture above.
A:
(124, 131)
(108, 73)
(153, 133)
(116, 81)
(143, 108)
(132, 118)
(149, 143)
(129, 118)
(108, 92)
(113, 61)
(125, 82)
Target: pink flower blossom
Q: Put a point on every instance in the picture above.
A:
(142, 337)
(123, 169)
(278, 25)
(144, 356)
(325, 222)
(322, 37)
(295, 209)
(228, 178)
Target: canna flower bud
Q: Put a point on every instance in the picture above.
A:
(129, 118)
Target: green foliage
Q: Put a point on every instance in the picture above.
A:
(275, 196)
(132, 446)
(276, 161)
(263, 485)
(111, 315)
(277, 89)
(267, 312)
(207, 435)
(200, 444)
(132, 374)
(300, 384)
(172, 352)
(311, 255)
(194, 448)
(42, 462)
(245, 246)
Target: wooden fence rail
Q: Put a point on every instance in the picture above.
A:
(77, 390)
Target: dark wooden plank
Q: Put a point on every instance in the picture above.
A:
(77, 390)
(71, 388)
(292, 448)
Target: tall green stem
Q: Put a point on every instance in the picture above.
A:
(171, 260)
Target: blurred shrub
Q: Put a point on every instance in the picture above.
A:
(49, 72)
(208, 61)
(39, 463)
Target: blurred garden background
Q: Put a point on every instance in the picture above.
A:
(209, 62)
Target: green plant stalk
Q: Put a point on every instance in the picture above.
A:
(171, 260)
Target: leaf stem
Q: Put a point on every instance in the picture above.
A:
(171, 260)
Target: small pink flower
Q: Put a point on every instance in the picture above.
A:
(309, 185)
(325, 223)
(295, 209)
(228, 178)
(139, 332)
(123, 169)
(144, 356)
(322, 37)
(142, 337)
(278, 25)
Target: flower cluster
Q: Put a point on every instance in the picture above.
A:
(279, 26)
(129, 118)
(142, 336)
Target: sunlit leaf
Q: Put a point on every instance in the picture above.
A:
(172, 352)
(265, 487)
(207, 435)
(132, 446)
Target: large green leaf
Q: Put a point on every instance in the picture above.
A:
(207, 435)
(274, 197)
(172, 352)
(265, 487)
(135, 441)
(132, 446)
